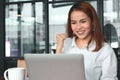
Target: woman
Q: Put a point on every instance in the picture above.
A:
(84, 36)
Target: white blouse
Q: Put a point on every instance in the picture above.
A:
(100, 65)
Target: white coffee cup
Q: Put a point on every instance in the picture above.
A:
(16, 73)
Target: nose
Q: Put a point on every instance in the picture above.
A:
(78, 25)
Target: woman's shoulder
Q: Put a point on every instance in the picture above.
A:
(107, 49)
(106, 45)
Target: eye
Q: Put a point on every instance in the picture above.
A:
(83, 21)
(73, 22)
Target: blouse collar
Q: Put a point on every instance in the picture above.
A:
(91, 45)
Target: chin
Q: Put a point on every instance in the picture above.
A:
(81, 37)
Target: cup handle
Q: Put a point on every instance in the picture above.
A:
(5, 75)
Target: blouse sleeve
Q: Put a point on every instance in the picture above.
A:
(109, 65)
(67, 44)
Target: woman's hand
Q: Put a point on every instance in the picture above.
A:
(60, 42)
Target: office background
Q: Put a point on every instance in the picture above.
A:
(30, 26)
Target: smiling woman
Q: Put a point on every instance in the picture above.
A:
(84, 36)
(81, 27)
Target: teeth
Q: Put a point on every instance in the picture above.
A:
(81, 32)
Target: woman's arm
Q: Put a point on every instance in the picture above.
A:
(109, 66)
(60, 42)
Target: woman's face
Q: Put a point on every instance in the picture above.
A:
(81, 24)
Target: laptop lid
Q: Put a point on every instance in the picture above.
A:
(55, 66)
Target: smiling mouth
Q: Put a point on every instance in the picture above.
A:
(81, 32)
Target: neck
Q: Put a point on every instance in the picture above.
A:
(82, 42)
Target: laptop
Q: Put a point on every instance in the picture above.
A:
(55, 66)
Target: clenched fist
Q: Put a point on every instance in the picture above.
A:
(60, 42)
